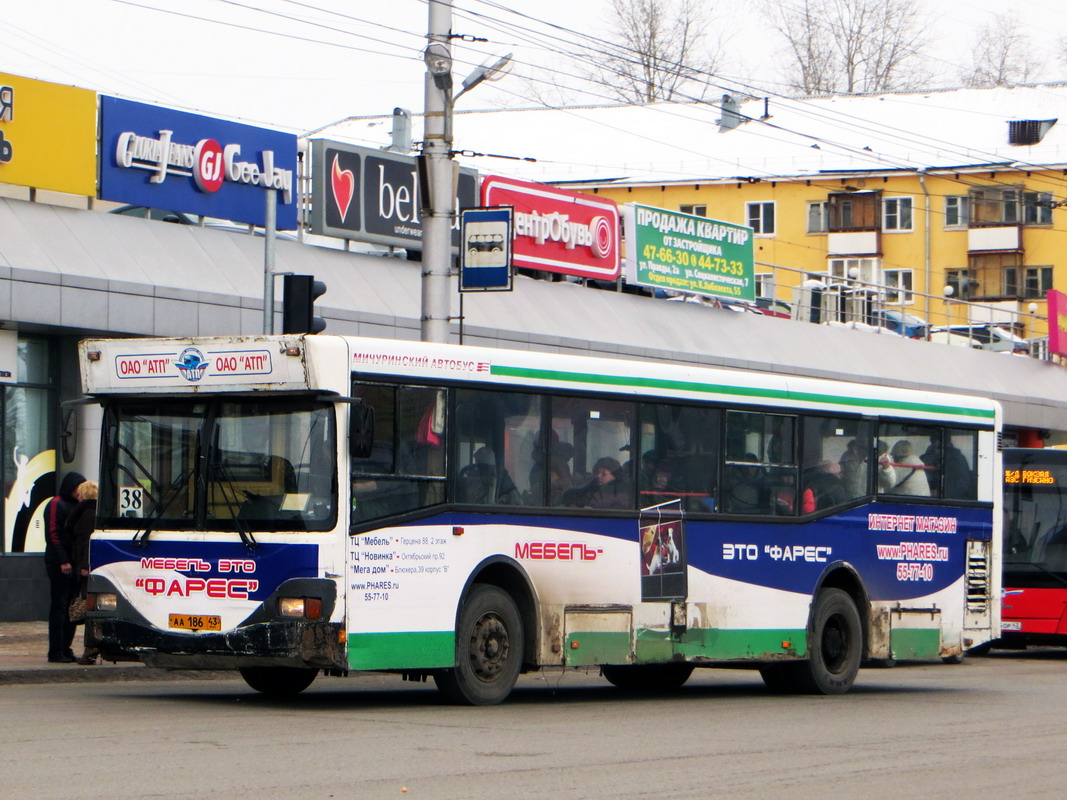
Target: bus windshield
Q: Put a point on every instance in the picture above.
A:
(244, 464)
(1035, 514)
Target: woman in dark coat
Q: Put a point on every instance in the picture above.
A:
(60, 571)
(80, 526)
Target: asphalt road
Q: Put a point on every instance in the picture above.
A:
(992, 727)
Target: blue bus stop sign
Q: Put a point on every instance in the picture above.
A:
(485, 250)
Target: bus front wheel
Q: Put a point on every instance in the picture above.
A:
(278, 681)
(489, 653)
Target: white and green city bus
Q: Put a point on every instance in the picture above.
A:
(290, 505)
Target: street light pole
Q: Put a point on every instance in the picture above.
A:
(437, 149)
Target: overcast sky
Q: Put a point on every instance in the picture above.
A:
(365, 58)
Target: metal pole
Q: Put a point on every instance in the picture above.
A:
(437, 226)
(270, 224)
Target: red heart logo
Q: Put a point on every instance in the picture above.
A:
(344, 187)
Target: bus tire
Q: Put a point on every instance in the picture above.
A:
(278, 681)
(489, 653)
(647, 677)
(836, 646)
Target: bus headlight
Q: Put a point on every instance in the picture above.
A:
(307, 607)
(102, 601)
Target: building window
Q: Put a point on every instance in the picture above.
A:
(899, 285)
(853, 211)
(818, 217)
(994, 276)
(990, 207)
(866, 270)
(760, 218)
(29, 410)
(960, 281)
(696, 211)
(957, 213)
(896, 214)
(1036, 282)
(1037, 208)
(764, 284)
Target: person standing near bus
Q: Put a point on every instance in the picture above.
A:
(80, 526)
(61, 578)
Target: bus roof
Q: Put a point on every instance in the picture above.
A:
(243, 363)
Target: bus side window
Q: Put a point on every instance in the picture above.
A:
(679, 449)
(496, 434)
(951, 461)
(835, 466)
(760, 474)
(404, 470)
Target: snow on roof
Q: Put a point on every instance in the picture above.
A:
(779, 137)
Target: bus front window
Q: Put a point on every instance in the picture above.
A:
(244, 465)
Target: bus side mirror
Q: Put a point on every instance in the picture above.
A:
(361, 430)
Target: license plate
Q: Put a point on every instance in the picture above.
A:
(1012, 625)
(195, 622)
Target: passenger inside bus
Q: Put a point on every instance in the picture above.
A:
(823, 487)
(743, 489)
(608, 488)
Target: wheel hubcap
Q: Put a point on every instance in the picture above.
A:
(835, 643)
(489, 647)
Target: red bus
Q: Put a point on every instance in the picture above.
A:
(1034, 607)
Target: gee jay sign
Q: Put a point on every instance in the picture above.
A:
(559, 231)
(161, 158)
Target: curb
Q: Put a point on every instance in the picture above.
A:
(109, 674)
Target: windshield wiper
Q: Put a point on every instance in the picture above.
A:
(140, 539)
(220, 476)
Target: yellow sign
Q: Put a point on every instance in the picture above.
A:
(1036, 476)
(47, 135)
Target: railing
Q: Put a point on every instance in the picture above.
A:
(851, 302)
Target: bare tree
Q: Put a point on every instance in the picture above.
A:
(1001, 54)
(850, 46)
(659, 50)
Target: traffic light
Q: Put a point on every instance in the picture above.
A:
(298, 304)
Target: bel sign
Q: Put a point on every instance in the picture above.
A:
(161, 158)
(371, 195)
(559, 231)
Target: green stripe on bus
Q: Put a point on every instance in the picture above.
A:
(735, 391)
(757, 644)
(420, 650)
(922, 644)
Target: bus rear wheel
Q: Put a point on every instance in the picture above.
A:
(647, 677)
(489, 653)
(836, 645)
(278, 681)
(836, 648)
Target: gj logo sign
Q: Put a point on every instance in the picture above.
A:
(168, 159)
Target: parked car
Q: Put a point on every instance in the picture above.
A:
(774, 308)
(987, 336)
(903, 323)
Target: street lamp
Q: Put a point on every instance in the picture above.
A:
(439, 64)
(949, 291)
(437, 151)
